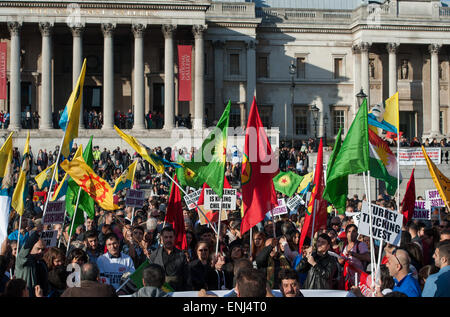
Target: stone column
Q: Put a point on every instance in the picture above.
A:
(218, 78)
(365, 84)
(251, 75)
(14, 95)
(169, 87)
(199, 77)
(356, 77)
(392, 50)
(138, 82)
(77, 61)
(45, 108)
(108, 76)
(435, 103)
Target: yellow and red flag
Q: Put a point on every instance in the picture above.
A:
(91, 183)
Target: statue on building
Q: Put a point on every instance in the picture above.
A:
(440, 71)
(372, 68)
(405, 69)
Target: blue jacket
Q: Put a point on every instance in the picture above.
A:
(438, 284)
(408, 286)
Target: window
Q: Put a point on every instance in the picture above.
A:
(235, 116)
(234, 64)
(262, 67)
(265, 113)
(338, 121)
(25, 94)
(301, 121)
(338, 68)
(301, 63)
(161, 59)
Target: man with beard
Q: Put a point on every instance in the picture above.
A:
(289, 286)
(30, 265)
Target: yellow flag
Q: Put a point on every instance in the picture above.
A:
(62, 187)
(6, 163)
(392, 114)
(141, 149)
(126, 179)
(43, 178)
(73, 110)
(305, 181)
(441, 182)
(91, 183)
(21, 189)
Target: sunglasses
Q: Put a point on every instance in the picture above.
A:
(393, 253)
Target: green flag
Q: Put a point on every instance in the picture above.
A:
(287, 182)
(86, 203)
(137, 275)
(350, 158)
(187, 177)
(209, 161)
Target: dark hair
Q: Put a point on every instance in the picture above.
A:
(386, 279)
(251, 283)
(90, 234)
(415, 253)
(154, 275)
(426, 271)
(167, 229)
(240, 264)
(138, 228)
(89, 272)
(77, 254)
(325, 237)
(395, 294)
(413, 226)
(57, 278)
(444, 249)
(110, 236)
(15, 288)
(288, 274)
(405, 239)
(348, 227)
(52, 254)
(445, 231)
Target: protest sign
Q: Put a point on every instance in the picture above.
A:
(135, 198)
(294, 202)
(281, 209)
(192, 198)
(212, 201)
(49, 237)
(355, 215)
(421, 210)
(213, 216)
(413, 156)
(432, 195)
(386, 224)
(54, 213)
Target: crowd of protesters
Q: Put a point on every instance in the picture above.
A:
(110, 247)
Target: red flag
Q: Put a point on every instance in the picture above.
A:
(3, 70)
(175, 216)
(258, 169)
(212, 216)
(184, 73)
(320, 220)
(409, 199)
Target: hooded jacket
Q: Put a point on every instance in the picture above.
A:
(150, 291)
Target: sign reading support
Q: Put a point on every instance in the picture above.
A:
(432, 195)
(135, 198)
(192, 198)
(294, 202)
(212, 201)
(49, 237)
(281, 209)
(55, 212)
(421, 210)
(386, 223)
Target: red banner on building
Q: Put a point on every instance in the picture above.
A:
(3, 67)
(184, 75)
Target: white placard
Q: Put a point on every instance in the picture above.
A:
(135, 198)
(49, 237)
(192, 198)
(432, 195)
(413, 156)
(212, 201)
(54, 213)
(294, 202)
(386, 223)
(281, 209)
(422, 210)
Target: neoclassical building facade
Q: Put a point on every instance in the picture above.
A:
(239, 49)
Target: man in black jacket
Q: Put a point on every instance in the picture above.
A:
(172, 260)
(320, 266)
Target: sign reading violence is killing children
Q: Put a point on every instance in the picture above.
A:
(386, 223)
(421, 210)
(55, 213)
(294, 202)
(212, 201)
(192, 198)
(135, 198)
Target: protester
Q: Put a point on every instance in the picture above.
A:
(290, 286)
(437, 285)
(250, 283)
(153, 278)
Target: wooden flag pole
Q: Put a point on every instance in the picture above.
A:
(18, 237)
(73, 221)
(372, 255)
(198, 207)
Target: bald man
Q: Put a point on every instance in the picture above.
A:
(398, 265)
(30, 265)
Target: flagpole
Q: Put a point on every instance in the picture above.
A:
(18, 237)
(132, 218)
(73, 220)
(124, 283)
(378, 275)
(198, 207)
(314, 218)
(54, 170)
(218, 226)
(251, 242)
(398, 171)
(372, 255)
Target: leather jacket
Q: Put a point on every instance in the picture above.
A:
(322, 275)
